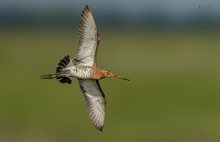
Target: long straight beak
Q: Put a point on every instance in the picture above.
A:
(119, 77)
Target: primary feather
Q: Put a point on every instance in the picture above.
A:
(88, 39)
(95, 101)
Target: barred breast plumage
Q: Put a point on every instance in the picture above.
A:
(82, 72)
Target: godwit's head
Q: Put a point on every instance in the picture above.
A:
(108, 74)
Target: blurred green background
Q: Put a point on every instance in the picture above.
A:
(173, 94)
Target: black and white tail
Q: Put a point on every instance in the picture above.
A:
(62, 74)
(62, 71)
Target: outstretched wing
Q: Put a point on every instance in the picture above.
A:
(88, 39)
(95, 101)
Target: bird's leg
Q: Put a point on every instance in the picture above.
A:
(48, 76)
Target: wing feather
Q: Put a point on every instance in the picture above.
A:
(88, 39)
(95, 101)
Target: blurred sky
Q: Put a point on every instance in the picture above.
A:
(121, 11)
(138, 5)
(128, 6)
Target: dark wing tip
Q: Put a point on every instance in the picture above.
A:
(100, 129)
(86, 9)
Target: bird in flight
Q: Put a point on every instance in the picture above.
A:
(84, 68)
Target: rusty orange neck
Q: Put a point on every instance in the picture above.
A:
(99, 74)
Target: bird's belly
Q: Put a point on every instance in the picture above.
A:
(81, 72)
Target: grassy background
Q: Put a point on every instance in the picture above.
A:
(173, 94)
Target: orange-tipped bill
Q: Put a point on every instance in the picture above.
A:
(119, 77)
